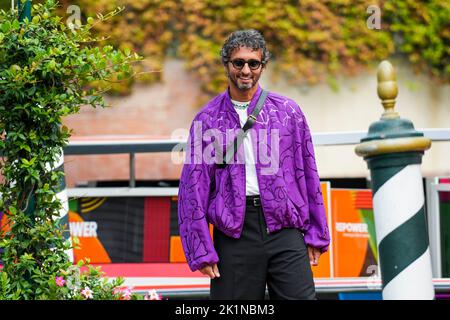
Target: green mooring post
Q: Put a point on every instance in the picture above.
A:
(393, 150)
(24, 10)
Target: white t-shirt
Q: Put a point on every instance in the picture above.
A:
(251, 180)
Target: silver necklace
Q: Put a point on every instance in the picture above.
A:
(241, 106)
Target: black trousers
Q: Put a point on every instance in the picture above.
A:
(246, 265)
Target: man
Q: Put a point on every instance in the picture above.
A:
(269, 219)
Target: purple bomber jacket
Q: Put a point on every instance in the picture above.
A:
(286, 171)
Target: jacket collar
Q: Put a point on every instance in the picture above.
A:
(252, 105)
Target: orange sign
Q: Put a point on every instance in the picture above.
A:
(89, 245)
(323, 270)
(354, 243)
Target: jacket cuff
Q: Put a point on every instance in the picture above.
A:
(317, 241)
(203, 262)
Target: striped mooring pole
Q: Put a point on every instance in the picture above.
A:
(24, 10)
(393, 150)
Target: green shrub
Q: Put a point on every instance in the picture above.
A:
(47, 71)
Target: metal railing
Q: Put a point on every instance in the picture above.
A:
(433, 187)
(134, 145)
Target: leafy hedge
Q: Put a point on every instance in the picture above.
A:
(423, 29)
(47, 71)
(311, 40)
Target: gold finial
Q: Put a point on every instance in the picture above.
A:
(387, 89)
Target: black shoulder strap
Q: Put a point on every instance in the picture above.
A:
(252, 118)
(232, 149)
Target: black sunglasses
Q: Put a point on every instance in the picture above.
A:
(240, 63)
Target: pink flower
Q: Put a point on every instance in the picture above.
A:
(87, 293)
(152, 295)
(60, 281)
(126, 294)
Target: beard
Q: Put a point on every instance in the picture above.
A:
(234, 78)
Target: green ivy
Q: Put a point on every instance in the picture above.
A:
(312, 41)
(47, 71)
(423, 30)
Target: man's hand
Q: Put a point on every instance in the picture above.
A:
(211, 271)
(314, 255)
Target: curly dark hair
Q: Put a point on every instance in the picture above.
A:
(249, 38)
